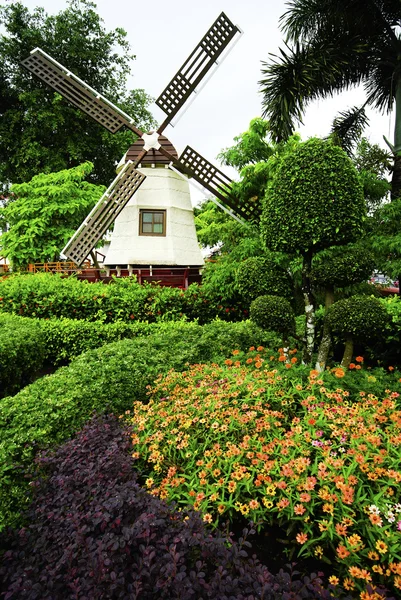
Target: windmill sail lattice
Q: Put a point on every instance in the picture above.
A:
(180, 89)
(104, 213)
(196, 67)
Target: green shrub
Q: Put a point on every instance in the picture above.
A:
(260, 275)
(107, 379)
(65, 339)
(342, 267)
(273, 313)
(22, 351)
(46, 296)
(359, 317)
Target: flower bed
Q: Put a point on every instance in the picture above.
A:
(283, 445)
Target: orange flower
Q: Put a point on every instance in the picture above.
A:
(294, 360)
(339, 373)
(254, 504)
(391, 368)
(351, 366)
(357, 367)
(208, 518)
(235, 352)
(341, 529)
(258, 364)
(260, 348)
(299, 509)
(228, 362)
(249, 361)
(342, 551)
(281, 358)
(359, 359)
(376, 520)
(301, 538)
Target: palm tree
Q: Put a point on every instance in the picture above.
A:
(332, 45)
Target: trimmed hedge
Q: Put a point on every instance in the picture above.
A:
(95, 533)
(47, 296)
(22, 353)
(107, 379)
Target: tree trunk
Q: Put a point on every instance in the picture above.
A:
(325, 342)
(309, 308)
(396, 179)
(348, 351)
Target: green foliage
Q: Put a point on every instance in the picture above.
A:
(39, 131)
(359, 317)
(22, 353)
(261, 275)
(251, 146)
(46, 296)
(106, 379)
(65, 339)
(273, 313)
(315, 200)
(386, 237)
(45, 214)
(341, 267)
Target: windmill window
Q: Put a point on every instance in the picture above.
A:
(152, 222)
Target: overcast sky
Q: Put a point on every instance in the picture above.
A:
(162, 33)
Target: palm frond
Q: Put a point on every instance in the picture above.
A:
(312, 19)
(304, 73)
(347, 127)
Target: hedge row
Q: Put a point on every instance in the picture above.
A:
(46, 296)
(108, 379)
(22, 352)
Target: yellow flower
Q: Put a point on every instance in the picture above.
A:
(381, 547)
(334, 580)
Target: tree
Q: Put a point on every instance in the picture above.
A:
(46, 213)
(336, 44)
(40, 132)
(315, 201)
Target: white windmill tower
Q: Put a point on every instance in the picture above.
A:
(149, 200)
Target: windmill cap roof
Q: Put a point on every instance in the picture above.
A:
(153, 156)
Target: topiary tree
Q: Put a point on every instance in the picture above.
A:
(357, 319)
(315, 201)
(274, 313)
(261, 275)
(338, 268)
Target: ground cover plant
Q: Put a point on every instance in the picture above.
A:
(109, 378)
(263, 438)
(95, 533)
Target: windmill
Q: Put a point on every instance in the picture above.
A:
(150, 150)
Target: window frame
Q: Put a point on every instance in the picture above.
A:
(152, 211)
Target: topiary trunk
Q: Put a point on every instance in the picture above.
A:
(325, 342)
(348, 352)
(309, 308)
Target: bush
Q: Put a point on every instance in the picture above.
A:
(273, 313)
(65, 339)
(359, 317)
(343, 267)
(22, 352)
(283, 446)
(261, 275)
(105, 379)
(46, 296)
(94, 533)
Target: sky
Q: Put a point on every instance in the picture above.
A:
(163, 33)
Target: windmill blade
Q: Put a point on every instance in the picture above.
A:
(78, 92)
(216, 182)
(197, 65)
(104, 213)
